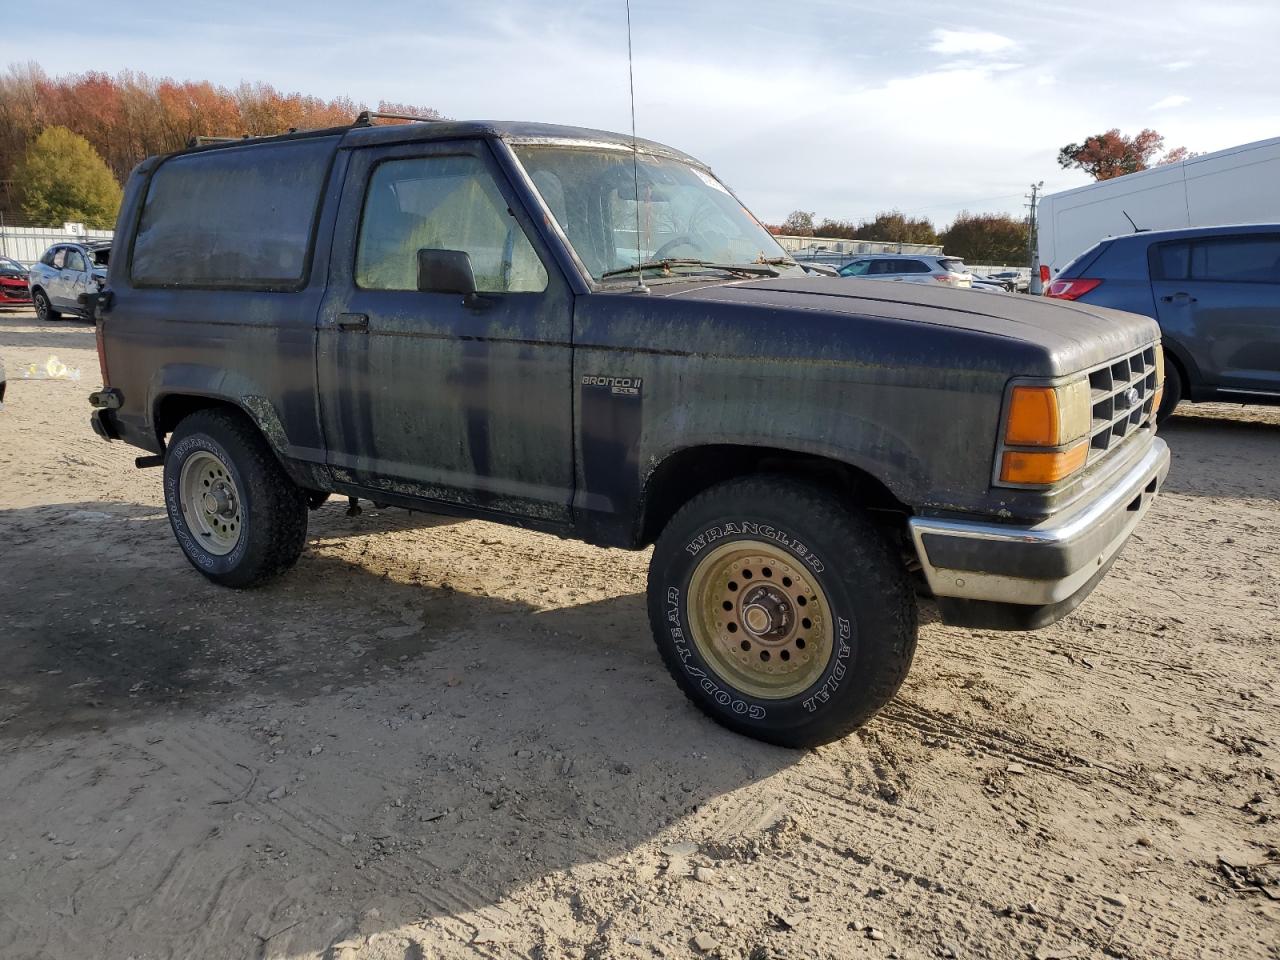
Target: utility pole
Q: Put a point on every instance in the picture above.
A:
(1033, 258)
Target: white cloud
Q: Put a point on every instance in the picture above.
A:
(1171, 101)
(1177, 65)
(969, 41)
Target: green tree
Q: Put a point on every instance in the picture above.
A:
(61, 178)
(892, 226)
(798, 224)
(986, 238)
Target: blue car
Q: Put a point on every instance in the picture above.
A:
(1215, 291)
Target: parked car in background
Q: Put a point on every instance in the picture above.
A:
(66, 271)
(14, 291)
(1215, 291)
(1020, 282)
(992, 286)
(910, 268)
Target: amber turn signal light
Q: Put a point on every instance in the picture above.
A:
(1048, 466)
(1047, 416)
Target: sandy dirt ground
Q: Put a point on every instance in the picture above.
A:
(453, 739)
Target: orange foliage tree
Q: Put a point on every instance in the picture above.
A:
(130, 116)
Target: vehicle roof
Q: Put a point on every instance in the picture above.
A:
(1180, 233)
(900, 256)
(428, 130)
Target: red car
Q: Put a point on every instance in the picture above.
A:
(14, 291)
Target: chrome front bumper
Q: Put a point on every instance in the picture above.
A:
(1043, 565)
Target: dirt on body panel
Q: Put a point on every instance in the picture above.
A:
(452, 739)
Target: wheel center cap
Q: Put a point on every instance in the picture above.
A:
(210, 503)
(766, 613)
(757, 619)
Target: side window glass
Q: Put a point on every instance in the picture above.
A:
(856, 269)
(47, 259)
(60, 258)
(75, 261)
(1238, 260)
(914, 266)
(442, 203)
(1169, 261)
(883, 267)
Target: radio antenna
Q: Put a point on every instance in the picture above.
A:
(635, 159)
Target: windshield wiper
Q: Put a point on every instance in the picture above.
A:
(778, 261)
(742, 269)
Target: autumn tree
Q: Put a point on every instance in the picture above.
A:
(1112, 154)
(893, 226)
(798, 224)
(986, 238)
(128, 116)
(62, 178)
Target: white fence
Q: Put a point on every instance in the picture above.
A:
(818, 248)
(28, 244)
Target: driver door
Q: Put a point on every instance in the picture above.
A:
(465, 400)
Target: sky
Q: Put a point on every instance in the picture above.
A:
(840, 108)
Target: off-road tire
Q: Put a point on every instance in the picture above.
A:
(274, 509)
(872, 604)
(44, 307)
(1172, 391)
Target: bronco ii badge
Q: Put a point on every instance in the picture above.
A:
(618, 386)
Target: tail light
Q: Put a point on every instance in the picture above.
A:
(104, 300)
(1071, 289)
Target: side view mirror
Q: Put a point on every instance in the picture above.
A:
(447, 271)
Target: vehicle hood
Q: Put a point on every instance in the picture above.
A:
(1076, 336)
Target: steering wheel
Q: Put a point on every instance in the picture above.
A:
(683, 240)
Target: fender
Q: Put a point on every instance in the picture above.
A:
(305, 465)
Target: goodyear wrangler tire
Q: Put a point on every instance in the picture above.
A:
(237, 516)
(782, 613)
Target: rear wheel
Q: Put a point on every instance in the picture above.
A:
(1172, 392)
(238, 517)
(781, 612)
(44, 309)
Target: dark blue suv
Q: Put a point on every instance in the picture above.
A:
(1215, 292)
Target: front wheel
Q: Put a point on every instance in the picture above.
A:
(781, 612)
(44, 308)
(238, 517)
(1172, 392)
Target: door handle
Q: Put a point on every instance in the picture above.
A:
(353, 321)
(1178, 296)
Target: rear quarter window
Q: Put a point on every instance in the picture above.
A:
(1169, 261)
(239, 217)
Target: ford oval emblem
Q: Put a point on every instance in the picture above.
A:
(1131, 396)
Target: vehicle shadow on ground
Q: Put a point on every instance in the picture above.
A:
(103, 621)
(1215, 455)
(536, 724)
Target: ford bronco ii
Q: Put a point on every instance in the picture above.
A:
(572, 331)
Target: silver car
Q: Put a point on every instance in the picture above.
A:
(65, 272)
(910, 268)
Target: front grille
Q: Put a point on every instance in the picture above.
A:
(1122, 393)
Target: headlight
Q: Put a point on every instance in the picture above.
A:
(1046, 417)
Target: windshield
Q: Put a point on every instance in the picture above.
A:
(684, 214)
(11, 266)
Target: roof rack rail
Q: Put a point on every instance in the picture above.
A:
(366, 118)
(203, 141)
